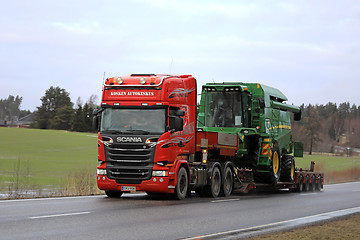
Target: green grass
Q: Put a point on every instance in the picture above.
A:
(44, 158)
(48, 159)
(328, 163)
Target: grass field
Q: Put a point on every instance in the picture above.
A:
(327, 163)
(345, 228)
(48, 159)
(43, 159)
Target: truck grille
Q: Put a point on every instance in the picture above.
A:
(129, 163)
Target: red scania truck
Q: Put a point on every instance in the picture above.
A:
(153, 138)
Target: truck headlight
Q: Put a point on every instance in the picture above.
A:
(101, 171)
(160, 173)
(142, 80)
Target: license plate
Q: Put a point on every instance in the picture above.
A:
(128, 188)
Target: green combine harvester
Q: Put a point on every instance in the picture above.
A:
(261, 119)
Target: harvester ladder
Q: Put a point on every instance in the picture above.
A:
(255, 114)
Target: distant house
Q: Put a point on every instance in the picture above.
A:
(26, 121)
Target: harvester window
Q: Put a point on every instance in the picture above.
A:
(224, 109)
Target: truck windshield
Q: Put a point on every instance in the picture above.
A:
(223, 109)
(136, 121)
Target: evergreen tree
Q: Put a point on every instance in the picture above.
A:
(63, 118)
(54, 100)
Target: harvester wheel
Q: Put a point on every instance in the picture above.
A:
(113, 194)
(227, 183)
(215, 183)
(307, 183)
(275, 165)
(182, 184)
(287, 168)
(272, 176)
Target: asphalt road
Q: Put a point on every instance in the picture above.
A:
(138, 216)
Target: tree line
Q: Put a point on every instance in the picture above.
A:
(58, 112)
(10, 109)
(324, 127)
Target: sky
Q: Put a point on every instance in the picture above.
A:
(308, 49)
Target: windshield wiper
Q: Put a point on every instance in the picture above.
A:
(114, 131)
(138, 131)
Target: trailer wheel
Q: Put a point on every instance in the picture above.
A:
(213, 190)
(313, 183)
(113, 194)
(181, 188)
(227, 184)
(307, 183)
(300, 186)
(287, 168)
(318, 184)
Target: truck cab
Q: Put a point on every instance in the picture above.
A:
(146, 132)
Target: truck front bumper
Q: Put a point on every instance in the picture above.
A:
(154, 185)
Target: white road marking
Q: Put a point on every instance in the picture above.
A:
(306, 194)
(49, 199)
(225, 200)
(59, 215)
(325, 215)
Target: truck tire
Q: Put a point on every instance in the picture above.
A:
(182, 184)
(113, 194)
(287, 168)
(213, 190)
(307, 183)
(227, 182)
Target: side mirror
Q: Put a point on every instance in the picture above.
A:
(297, 116)
(180, 113)
(178, 124)
(298, 149)
(95, 123)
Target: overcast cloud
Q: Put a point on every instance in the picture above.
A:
(308, 49)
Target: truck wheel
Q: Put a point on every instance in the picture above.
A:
(313, 183)
(227, 184)
(215, 183)
(287, 168)
(113, 194)
(307, 183)
(182, 184)
(300, 186)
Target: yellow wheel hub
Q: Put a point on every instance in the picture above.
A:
(292, 170)
(276, 162)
